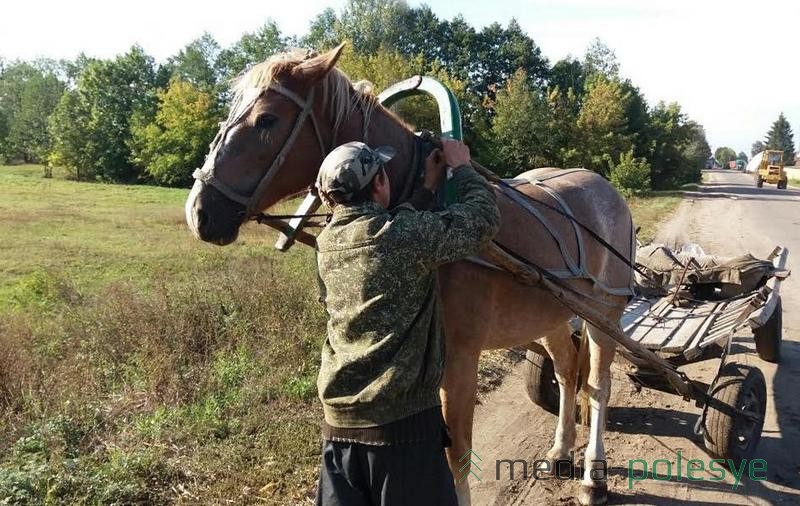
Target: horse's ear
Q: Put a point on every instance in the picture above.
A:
(318, 67)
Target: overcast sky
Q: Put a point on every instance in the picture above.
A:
(721, 60)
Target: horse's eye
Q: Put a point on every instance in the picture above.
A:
(265, 121)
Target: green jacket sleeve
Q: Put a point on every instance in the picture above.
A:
(464, 227)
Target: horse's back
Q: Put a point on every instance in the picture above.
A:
(537, 228)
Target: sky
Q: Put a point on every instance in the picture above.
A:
(732, 65)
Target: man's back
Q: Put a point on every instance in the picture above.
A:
(384, 355)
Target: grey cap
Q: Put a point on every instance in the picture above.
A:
(349, 168)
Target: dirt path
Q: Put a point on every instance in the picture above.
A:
(728, 216)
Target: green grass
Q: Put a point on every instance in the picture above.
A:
(139, 365)
(649, 211)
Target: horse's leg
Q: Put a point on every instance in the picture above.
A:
(594, 489)
(565, 364)
(459, 388)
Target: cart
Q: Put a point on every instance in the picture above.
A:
(695, 330)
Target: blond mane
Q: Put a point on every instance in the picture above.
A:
(339, 94)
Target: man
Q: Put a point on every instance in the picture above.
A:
(383, 359)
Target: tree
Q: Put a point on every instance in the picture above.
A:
(757, 147)
(171, 146)
(96, 142)
(562, 128)
(569, 74)
(742, 156)
(196, 63)
(724, 155)
(678, 147)
(695, 152)
(631, 175)
(323, 32)
(781, 138)
(602, 123)
(520, 125)
(28, 94)
(251, 48)
(600, 59)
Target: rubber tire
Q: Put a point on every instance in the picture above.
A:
(782, 185)
(768, 337)
(540, 382)
(759, 182)
(744, 387)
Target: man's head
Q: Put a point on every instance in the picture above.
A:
(354, 173)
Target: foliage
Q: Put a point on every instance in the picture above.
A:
(171, 146)
(196, 63)
(602, 123)
(95, 142)
(742, 156)
(29, 93)
(630, 175)
(781, 138)
(600, 59)
(757, 147)
(252, 47)
(520, 126)
(678, 147)
(724, 155)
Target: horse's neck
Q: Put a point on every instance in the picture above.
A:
(383, 130)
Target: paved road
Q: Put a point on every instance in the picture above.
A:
(728, 216)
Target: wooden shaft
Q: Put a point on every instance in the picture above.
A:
(529, 275)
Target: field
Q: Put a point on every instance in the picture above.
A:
(141, 365)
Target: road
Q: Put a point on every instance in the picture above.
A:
(728, 216)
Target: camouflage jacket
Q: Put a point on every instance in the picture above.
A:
(384, 354)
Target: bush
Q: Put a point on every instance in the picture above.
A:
(630, 175)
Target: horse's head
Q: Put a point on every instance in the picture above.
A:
(271, 145)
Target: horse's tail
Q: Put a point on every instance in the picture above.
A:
(583, 375)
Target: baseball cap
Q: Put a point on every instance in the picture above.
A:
(349, 168)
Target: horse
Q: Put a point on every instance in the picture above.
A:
(289, 111)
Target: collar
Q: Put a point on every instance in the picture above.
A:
(369, 208)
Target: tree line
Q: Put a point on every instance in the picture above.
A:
(132, 119)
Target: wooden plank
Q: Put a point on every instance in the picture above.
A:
(635, 312)
(692, 324)
(660, 334)
(652, 321)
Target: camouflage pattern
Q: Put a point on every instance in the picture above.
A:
(384, 354)
(349, 168)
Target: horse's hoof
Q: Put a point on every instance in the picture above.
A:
(595, 494)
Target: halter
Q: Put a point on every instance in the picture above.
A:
(206, 173)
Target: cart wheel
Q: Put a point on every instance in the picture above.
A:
(540, 381)
(733, 435)
(768, 337)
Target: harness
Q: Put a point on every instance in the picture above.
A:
(207, 175)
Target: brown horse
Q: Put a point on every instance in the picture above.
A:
(291, 110)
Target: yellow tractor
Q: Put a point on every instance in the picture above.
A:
(770, 169)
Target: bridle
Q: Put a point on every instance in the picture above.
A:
(207, 175)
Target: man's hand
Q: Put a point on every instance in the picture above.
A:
(456, 153)
(434, 170)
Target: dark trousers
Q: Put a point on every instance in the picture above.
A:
(355, 474)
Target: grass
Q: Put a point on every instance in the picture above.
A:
(140, 365)
(650, 211)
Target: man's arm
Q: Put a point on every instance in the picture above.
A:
(464, 227)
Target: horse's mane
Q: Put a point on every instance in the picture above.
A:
(336, 86)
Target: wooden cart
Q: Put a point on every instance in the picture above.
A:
(735, 406)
